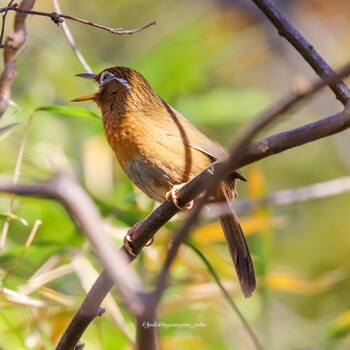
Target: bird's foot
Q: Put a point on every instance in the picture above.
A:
(172, 195)
(128, 240)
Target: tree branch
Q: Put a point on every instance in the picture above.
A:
(262, 149)
(84, 213)
(242, 154)
(257, 151)
(58, 18)
(3, 25)
(71, 40)
(13, 43)
(294, 37)
(314, 191)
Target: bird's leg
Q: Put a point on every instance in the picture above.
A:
(128, 240)
(172, 195)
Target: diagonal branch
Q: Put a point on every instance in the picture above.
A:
(296, 39)
(71, 40)
(257, 151)
(284, 141)
(192, 189)
(80, 207)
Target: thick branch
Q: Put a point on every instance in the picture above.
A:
(257, 151)
(81, 208)
(87, 312)
(162, 214)
(294, 37)
(146, 334)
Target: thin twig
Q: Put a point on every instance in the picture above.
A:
(57, 18)
(71, 40)
(297, 40)
(15, 180)
(29, 241)
(3, 25)
(319, 190)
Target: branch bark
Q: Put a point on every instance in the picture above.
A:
(296, 39)
(13, 43)
(58, 18)
(257, 151)
(241, 155)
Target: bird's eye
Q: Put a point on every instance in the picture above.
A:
(106, 77)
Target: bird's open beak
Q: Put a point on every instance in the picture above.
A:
(89, 76)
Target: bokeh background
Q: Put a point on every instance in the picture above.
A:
(220, 63)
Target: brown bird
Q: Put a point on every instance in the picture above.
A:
(159, 149)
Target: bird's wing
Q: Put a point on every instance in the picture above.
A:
(189, 135)
(186, 133)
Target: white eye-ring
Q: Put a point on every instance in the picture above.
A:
(106, 77)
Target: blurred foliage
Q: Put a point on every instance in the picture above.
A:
(219, 63)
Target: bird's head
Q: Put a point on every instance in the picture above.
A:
(120, 86)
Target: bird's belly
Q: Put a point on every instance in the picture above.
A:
(154, 180)
(152, 159)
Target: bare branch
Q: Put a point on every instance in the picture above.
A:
(222, 168)
(262, 149)
(71, 40)
(283, 197)
(13, 43)
(294, 37)
(242, 154)
(87, 312)
(257, 151)
(79, 205)
(57, 18)
(3, 25)
(146, 335)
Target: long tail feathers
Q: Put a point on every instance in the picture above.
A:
(239, 252)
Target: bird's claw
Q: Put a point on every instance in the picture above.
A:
(128, 240)
(128, 245)
(172, 195)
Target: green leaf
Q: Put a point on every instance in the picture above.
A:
(69, 111)
(224, 292)
(213, 273)
(341, 326)
(5, 131)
